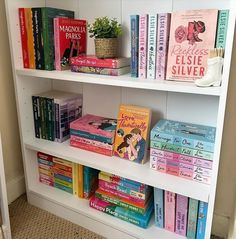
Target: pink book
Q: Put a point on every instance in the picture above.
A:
(181, 215)
(163, 30)
(143, 24)
(169, 211)
(192, 34)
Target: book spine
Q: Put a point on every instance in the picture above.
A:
(38, 44)
(45, 172)
(152, 38)
(201, 223)
(36, 109)
(46, 167)
(57, 44)
(181, 215)
(62, 172)
(169, 211)
(62, 162)
(163, 30)
(42, 118)
(24, 37)
(90, 183)
(222, 27)
(75, 178)
(64, 178)
(50, 118)
(81, 181)
(64, 188)
(46, 182)
(159, 207)
(134, 30)
(45, 162)
(64, 183)
(44, 156)
(48, 178)
(62, 167)
(57, 124)
(143, 24)
(192, 218)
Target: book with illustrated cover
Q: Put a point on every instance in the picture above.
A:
(70, 37)
(132, 133)
(192, 35)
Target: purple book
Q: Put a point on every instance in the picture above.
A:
(181, 215)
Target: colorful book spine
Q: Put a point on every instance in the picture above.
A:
(62, 172)
(45, 162)
(75, 179)
(80, 181)
(46, 167)
(47, 182)
(45, 172)
(44, 156)
(134, 30)
(42, 117)
(222, 26)
(181, 215)
(36, 112)
(159, 207)
(62, 177)
(143, 25)
(62, 167)
(169, 211)
(62, 162)
(202, 217)
(64, 183)
(163, 30)
(64, 188)
(152, 39)
(46, 177)
(24, 37)
(192, 218)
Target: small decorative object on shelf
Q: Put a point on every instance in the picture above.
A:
(106, 32)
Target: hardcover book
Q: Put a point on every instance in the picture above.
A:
(132, 133)
(192, 34)
(70, 36)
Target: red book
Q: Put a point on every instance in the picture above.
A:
(91, 60)
(24, 38)
(70, 40)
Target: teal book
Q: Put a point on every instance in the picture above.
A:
(222, 26)
(202, 218)
(192, 218)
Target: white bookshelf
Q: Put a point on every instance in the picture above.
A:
(102, 96)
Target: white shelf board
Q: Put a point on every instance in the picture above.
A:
(123, 81)
(82, 206)
(123, 168)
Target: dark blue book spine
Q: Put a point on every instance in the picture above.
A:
(202, 217)
(36, 112)
(134, 25)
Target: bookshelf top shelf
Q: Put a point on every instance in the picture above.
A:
(123, 81)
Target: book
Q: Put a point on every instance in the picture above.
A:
(169, 211)
(222, 28)
(134, 31)
(44, 156)
(80, 181)
(70, 36)
(202, 218)
(101, 70)
(48, 14)
(163, 30)
(132, 133)
(159, 207)
(143, 40)
(192, 218)
(36, 114)
(192, 34)
(92, 60)
(151, 50)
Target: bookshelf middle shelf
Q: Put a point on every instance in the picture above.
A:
(121, 167)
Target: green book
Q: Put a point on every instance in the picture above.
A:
(222, 27)
(192, 218)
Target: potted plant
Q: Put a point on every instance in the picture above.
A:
(106, 32)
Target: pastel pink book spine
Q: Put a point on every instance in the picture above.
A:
(169, 211)
(143, 24)
(57, 44)
(181, 215)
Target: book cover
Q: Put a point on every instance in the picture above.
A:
(169, 211)
(159, 207)
(92, 60)
(134, 31)
(70, 37)
(202, 217)
(101, 70)
(222, 28)
(143, 40)
(132, 133)
(151, 50)
(163, 30)
(192, 218)
(192, 34)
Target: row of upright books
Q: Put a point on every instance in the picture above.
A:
(176, 46)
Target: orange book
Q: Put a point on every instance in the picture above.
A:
(132, 133)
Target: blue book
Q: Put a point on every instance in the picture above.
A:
(90, 181)
(192, 218)
(42, 161)
(64, 188)
(222, 26)
(134, 29)
(202, 217)
(62, 177)
(159, 207)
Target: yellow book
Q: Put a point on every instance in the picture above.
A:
(75, 179)
(62, 162)
(81, 181)
(132, 133)
(46, 172)
(64, 183)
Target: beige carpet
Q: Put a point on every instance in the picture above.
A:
(29, 222)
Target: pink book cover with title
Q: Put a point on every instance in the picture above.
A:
(192, 34)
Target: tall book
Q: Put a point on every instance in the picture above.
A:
(163, 30)
(170, 211)
(202, 217)
(222, 27)
(152, 40)
(134, 30)
(70, 40)
(159, 207)
(143, 25)
(192, 218)
(132, 133)
(192, 34)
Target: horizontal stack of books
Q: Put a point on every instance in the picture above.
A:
(53, 111)
(92, 64)
(93, 133)
(123, 198)
(183, 149)
(182, 215)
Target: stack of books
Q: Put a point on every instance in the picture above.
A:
(93, 133)
(123, 198)
(182, 215)
(53, 111)
(94, 65)
(183, 149)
